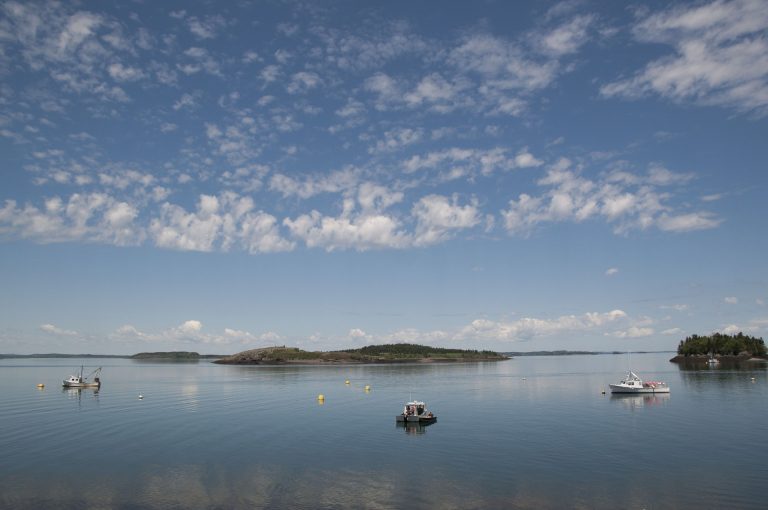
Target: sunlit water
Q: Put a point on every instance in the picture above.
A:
(533, 432)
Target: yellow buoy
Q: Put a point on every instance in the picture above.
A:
(321, 397)
(41, 385)
(346, 382)
(367, 388)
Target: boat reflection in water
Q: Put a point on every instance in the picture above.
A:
(413, 428)
(638, 400)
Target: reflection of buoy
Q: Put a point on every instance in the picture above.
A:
(346, 382)
(141, 396)
(321, 397)
(41, 385)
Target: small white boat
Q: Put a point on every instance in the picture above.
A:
(633, 384)
(416, 412)
(78, 381)
(713, 361)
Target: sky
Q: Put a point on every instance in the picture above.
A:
(516, 176)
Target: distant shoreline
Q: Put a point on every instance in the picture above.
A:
(183, 356)
(577, 353)
(168, 356)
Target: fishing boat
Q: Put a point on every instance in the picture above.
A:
(633, 384)
(416, 412)
(78, 381)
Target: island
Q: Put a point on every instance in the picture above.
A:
(739, 347)
(174, 356)
(388, 353)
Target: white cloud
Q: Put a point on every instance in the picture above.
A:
(336, 181)
(633, 332)
(119, 72)
(186, 101)
(688, 222)
(302, 82)
(457, 162)
(206, 28)
(350, 230)
(395, 139)
(720, 56)
(54, 330)
(438, 217)
(88, 217)
(611, 271)
(528, 328)
(627, 201)
(219, 222)
(386, 89)
(731, 300)
(673, 332)
(190, 334)
(568, 37)
(676, 307)
(435, 91)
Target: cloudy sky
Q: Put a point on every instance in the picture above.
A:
(216, 176)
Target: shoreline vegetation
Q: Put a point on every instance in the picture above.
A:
(388, 353)
(736, 348)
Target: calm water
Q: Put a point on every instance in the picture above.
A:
(525, 433)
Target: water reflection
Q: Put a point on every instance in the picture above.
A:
(413, 429)
(639, 401)
(698, 365)
(90, 394)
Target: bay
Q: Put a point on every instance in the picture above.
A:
(532, 432)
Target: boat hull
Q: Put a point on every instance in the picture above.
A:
(415, 419)
(67, 384)
(615, 388)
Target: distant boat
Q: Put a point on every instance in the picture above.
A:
(416, 412)
(712, 360)
(633, 384)
(78, 381)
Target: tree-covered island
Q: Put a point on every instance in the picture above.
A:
(720, 345)
(389, 353)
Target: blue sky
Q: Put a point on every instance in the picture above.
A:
(217, 176)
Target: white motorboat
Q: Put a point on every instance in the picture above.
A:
(713, 361)
(416, 412)
(78, 381)
(633, 384)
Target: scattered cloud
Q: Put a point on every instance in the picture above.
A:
(624, 200)
(731, 300)
(719, 57)
(54, 330)
(611, 271)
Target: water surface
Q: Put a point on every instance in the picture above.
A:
(533, 432)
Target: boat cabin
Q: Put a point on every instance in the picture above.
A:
(415, 408)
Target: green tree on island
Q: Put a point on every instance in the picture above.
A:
(722, 344)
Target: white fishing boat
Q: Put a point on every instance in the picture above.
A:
(78, 381)
(633, 384)
(416, 412)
